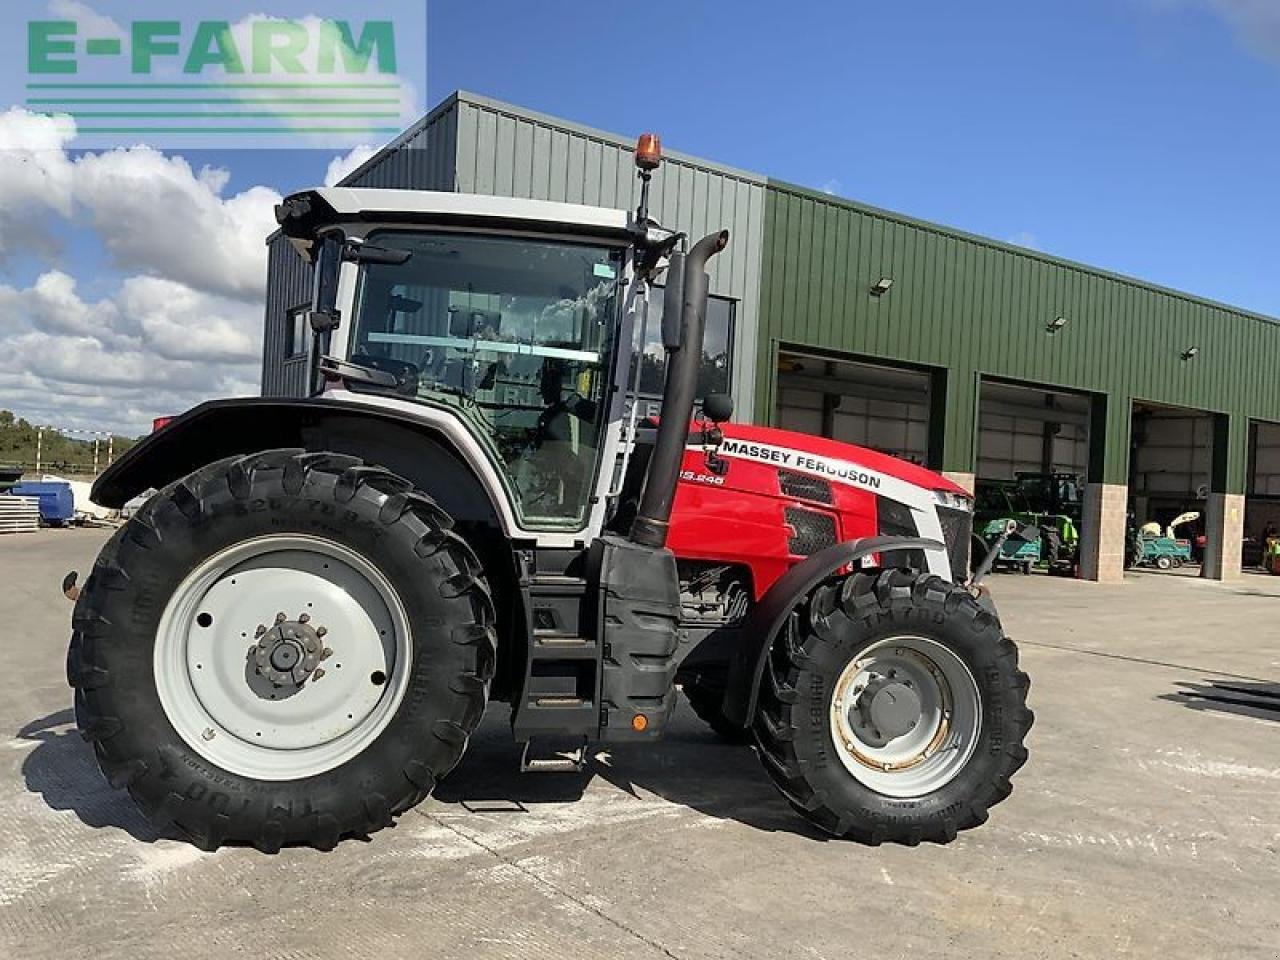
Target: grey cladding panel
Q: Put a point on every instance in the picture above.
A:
(288, 285)
(421, 160)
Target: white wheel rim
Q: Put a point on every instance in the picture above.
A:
(218, 698)
(947, 716)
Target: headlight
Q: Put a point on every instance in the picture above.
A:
(955, 501)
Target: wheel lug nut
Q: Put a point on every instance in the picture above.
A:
(321, 631)
(260, 631)
(326, 653)
(318, 674)
(280, 617)
(304, 618)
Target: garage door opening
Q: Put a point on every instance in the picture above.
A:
(882, 407)
(1033, 458)
(1261, 545)
(1170, 472)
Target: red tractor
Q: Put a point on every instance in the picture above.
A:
(292, 641)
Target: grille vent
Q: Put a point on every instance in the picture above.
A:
(805, 486)
(814, 531)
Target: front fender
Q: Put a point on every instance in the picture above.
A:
(768, 616)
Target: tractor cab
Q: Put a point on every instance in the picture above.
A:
(513, 318)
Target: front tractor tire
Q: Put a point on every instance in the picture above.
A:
(281, 649)
(892, 709)
(707, 700)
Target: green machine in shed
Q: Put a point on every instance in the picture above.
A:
(1048, 501)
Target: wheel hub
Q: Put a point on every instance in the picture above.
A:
(889, 706)
(904, 715)
(289, 651)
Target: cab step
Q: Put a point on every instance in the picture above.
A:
(553, 761)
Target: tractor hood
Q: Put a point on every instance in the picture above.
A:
(838, 462)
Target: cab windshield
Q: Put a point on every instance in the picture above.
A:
(514, 334)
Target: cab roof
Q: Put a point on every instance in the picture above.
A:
(302, 214)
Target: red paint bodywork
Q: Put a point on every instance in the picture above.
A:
(742, 520)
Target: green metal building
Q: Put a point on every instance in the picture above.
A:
(976, 357)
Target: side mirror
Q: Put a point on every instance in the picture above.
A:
(673, 304)
(717, 407)
(323, 321)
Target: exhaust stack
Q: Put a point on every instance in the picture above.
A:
(683, 362)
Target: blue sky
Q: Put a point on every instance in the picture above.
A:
(1134, 135)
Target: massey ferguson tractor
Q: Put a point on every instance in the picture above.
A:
(292, 641)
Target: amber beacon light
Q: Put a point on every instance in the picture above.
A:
(648, 151)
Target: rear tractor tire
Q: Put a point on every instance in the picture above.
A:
(892, 709)
(280, 649)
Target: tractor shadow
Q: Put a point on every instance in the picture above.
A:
(690, 766)
(62, 771)
(1260, 701)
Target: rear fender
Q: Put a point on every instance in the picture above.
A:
(767, 617)
(410, 446)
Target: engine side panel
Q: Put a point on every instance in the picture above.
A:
(743, 517)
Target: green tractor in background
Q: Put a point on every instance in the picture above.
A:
(1051, 502)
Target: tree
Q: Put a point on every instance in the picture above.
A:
(59, 453)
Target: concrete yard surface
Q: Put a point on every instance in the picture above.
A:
(1146, 823)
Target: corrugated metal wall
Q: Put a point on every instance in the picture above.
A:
(975, 306)
(510, 152)
(421, 158)
(288, 285)
(800, 266)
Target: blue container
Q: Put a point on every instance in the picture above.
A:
(57, 504)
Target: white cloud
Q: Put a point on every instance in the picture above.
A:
(342, 166)
(156, 347)
(35, 178)
(185, 322)
(1256, 23)
(1025, 238)
(52, 305)
(156, 215)
(91, 23)
(178, 323)
(153, 213)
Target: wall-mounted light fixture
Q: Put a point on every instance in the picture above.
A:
(1190, 353)
(1054, 325)
(881, 286)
